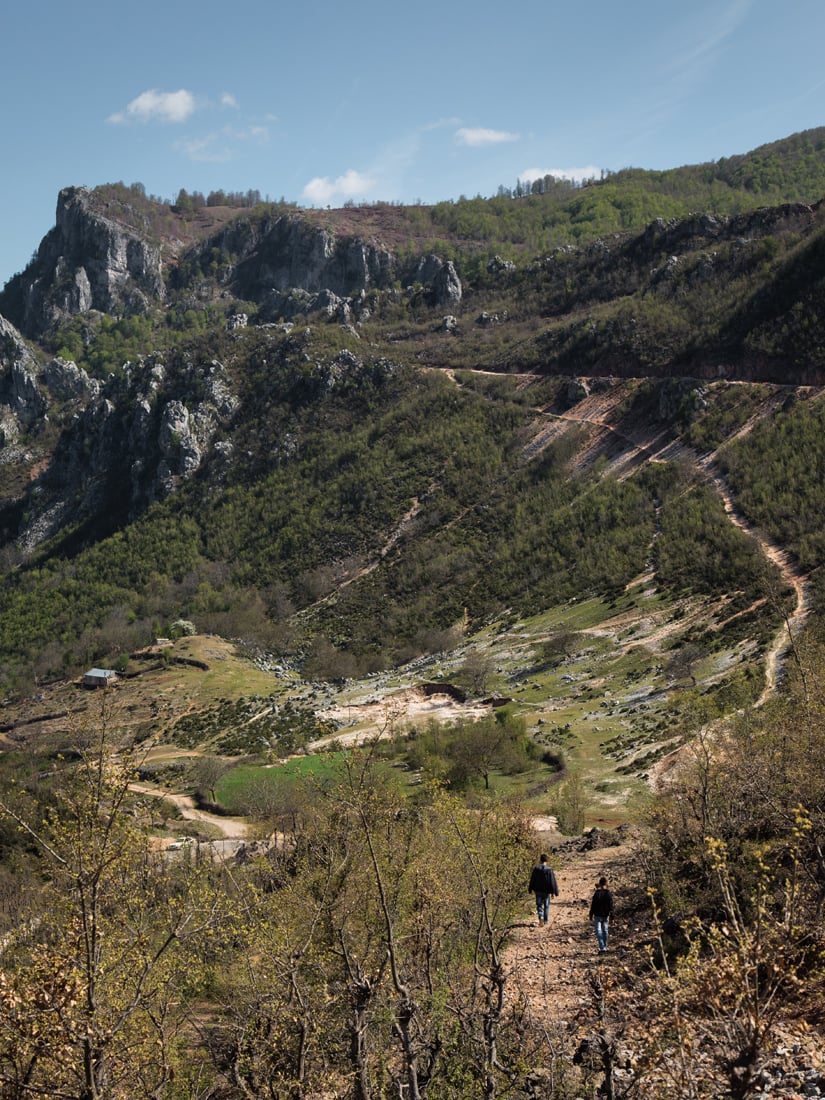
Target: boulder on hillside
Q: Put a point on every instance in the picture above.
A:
(440, 280)
(497, 264)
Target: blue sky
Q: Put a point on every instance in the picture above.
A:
(320, 102)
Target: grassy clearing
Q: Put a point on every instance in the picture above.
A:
(590, 678)
(316, 771)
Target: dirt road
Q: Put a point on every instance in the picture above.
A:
(231, 827)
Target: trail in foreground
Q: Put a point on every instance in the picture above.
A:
(550, 964)
(551, 968)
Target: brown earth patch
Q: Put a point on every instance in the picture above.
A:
(551, 965)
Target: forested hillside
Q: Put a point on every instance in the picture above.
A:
(413, 535)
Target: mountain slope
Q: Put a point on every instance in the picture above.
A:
(237, 428)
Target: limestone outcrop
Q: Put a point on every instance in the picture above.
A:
(105, 255)
(279, 255)
(440, 280)
(20, 398)
(129, 441)
(88, 261)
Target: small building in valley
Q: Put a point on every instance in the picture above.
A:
(99, 677)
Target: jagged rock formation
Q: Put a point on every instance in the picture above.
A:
(21, 403)
(129, 441)
(292, 254)
(88, 261)
(98, 258)
(440, 279)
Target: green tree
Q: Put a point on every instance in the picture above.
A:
(570, 804)
(477, 748)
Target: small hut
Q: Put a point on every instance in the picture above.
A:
(99, 677)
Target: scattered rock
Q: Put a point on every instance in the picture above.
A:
(497, 265)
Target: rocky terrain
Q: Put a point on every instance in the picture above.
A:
(580, 997)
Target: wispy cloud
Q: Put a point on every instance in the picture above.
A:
(478, 136)
(228, 100)
(157, 106)
(347, 186)
(700, 50)
(705, 49)
(689, 55)
(577, 174)
(206, 150)
(222, 145)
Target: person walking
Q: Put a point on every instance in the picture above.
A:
(543, 884)
(601, 910)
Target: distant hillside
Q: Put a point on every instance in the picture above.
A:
(220, 412)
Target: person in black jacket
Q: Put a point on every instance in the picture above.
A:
(543, 884)
(601, 910)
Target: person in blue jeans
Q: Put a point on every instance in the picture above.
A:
(543, 884)
(601, 910)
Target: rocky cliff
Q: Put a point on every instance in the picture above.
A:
(21, 402)
(127, 442)
(88, 261)
(102, 451)
(107, 254)
(288, 266)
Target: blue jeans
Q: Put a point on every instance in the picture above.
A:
(543, 907)
(602, 928)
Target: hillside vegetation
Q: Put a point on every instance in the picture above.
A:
(411, 532)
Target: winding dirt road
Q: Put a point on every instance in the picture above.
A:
(230, 827)
(632, 453)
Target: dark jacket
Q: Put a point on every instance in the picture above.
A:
(543, 880)
(602, 904)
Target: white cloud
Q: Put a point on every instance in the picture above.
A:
(207, 150)
(155, 105)
(578, 174)
(228, 100)
(221, 145)
(351, 183)
(478, 136)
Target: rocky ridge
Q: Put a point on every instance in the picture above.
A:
(88, 261)
(99, 257)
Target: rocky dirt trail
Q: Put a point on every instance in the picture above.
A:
(557, 970)
(551, 965)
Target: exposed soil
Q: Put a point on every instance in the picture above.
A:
(382, 715)
(551, 965)
(228, 826)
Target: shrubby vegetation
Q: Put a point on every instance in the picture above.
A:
(363, 953)
(464, 754)
(738, 875)
(369, 513)
(549, 212)
(266, 727)
(699, 550)
(774, 472)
